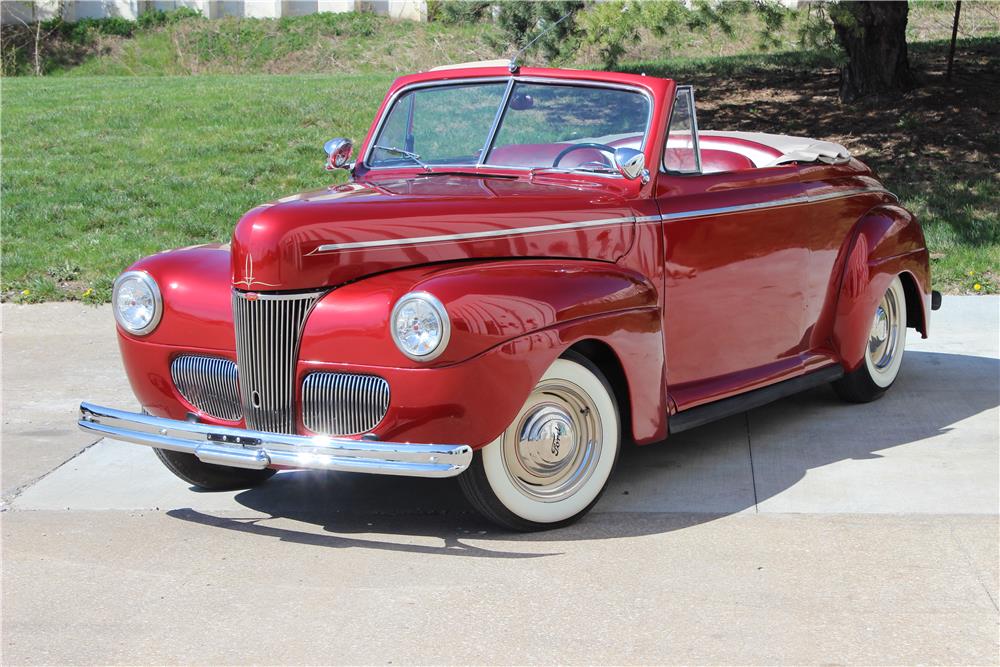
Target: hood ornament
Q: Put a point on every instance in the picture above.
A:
(248, 277)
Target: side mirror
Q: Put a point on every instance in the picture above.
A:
(338, 153)
(631, 164)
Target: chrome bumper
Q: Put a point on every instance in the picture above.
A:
(241, 448)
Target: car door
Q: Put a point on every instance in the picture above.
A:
(735, 265)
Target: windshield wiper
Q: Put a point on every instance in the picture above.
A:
(409, 154)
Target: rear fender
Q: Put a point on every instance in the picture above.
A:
(886, 242)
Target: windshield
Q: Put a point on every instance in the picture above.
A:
(542, 125)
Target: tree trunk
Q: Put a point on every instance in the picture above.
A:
(954, 37)
(38, 46)
(873, 35)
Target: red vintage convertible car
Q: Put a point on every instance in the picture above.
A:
(527, 268)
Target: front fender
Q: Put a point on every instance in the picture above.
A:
(488, 303)
(473, 401)
(196, 286)
(510, 321)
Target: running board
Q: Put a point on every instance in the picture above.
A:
(734, 405)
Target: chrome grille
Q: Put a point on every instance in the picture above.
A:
(342, 403)
(268, 327)
(209, 384)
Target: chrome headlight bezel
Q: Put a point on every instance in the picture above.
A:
(440, 312)
(154, 289)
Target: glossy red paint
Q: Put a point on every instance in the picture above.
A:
(701, 287)
(279, 246)
(473, 401)
(197, 297)
(489, 303)
(444, 404)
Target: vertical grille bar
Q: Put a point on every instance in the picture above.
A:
(343, 403)
(268, 328)
(209, 384)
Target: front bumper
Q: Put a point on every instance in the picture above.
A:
(241, 448)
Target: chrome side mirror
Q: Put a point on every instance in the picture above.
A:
(631, 164)
(338, 153)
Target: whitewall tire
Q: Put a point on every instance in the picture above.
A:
(883, 350)
(553, 462)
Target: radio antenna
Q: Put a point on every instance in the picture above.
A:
(512, 65)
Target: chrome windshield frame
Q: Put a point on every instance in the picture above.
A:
(498, 117)
(491, 134)
(696, 140)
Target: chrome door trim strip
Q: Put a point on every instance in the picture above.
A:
(802, 199)
(852, 192)
(680, 215)
(563, 226)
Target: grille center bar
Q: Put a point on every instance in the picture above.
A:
(268, 328)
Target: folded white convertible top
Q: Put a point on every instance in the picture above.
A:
(793, 149)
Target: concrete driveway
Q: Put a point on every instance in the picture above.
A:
(805, 532)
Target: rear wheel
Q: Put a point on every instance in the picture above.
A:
(884, 352)
(553, 462)
(209, 476)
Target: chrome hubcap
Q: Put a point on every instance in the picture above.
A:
(547, 441)
(554, 446)
(884, 336)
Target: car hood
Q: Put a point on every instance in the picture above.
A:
(332, 236)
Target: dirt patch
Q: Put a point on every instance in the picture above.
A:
(942, 125)
(938, 146)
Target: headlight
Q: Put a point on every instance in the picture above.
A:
(137, 302)
(420, 326)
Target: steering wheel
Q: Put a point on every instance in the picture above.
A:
(575, 147)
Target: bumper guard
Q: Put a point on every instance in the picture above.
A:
(243, 448)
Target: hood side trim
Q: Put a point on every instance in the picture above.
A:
(441, 238)
(540, 229)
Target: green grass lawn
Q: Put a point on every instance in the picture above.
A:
(100, 171)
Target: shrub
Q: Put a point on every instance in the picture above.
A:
(353, 24)
(157, 17)
(520, 21)
(86, 30)
(459, 12)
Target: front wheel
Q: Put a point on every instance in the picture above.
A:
(553, 462)
(883, 353)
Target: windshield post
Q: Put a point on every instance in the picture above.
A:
(408, 141)
(492, 135)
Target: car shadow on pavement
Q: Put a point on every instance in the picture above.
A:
(652, 492)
